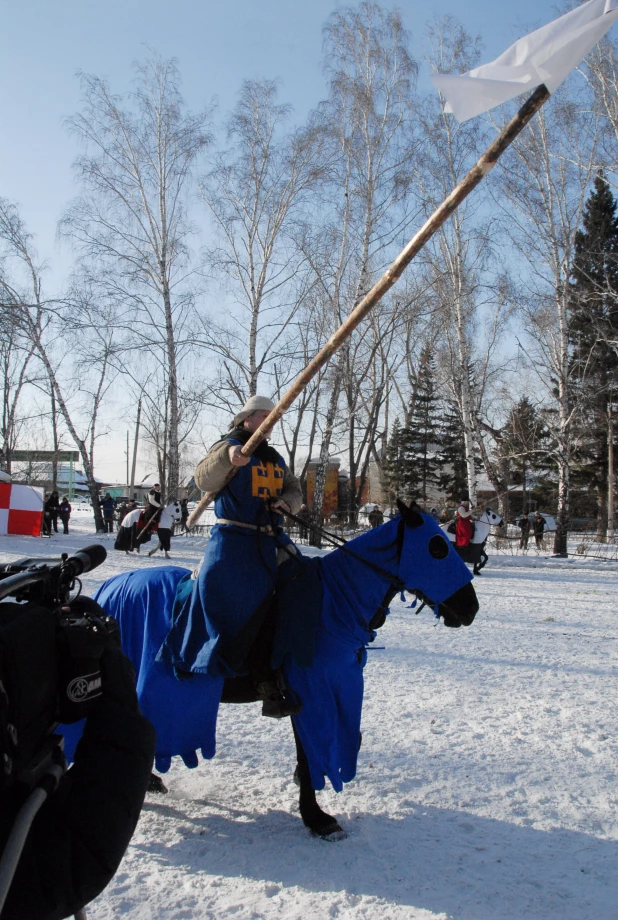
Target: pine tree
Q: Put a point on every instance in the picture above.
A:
(594, 321)
(420, 439)
(453, 475)
(392, 465)
(522, 443)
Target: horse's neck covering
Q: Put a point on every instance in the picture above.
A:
(354, 591)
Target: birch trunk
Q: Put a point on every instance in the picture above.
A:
(320, 473)
(610, 471)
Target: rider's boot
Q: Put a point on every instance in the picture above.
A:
(276, 703)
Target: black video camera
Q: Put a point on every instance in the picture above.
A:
(51, 642)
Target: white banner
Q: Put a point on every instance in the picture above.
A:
(545, 56)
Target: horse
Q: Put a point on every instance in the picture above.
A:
(135, 529)
(328, 610)
(474, 553)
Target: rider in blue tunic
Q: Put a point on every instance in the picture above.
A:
(222, 625)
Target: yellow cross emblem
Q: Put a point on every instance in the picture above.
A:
(266, 480)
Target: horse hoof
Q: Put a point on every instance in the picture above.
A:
(156, 784)
(331, 832)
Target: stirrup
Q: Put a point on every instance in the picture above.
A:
(275, 704)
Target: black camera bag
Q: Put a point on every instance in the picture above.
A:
(28, 685)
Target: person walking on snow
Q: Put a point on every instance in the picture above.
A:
(164, 533)
(524, 526)
(538, 526)
(64, 512)
(222, 625)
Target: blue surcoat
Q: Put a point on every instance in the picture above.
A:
(217, 616)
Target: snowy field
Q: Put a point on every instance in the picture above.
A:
(486, 785)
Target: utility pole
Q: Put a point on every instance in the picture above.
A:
(139, 414)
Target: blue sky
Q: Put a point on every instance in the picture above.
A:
(43, 44)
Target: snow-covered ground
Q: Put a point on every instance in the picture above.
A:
(486, 786)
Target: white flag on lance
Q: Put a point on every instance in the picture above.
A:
(545, 56)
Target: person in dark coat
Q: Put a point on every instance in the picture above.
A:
(184, 513)
(154, 503)
(524, 526)
(108, 507)
(82, 831)
(50, 513)
(538, 526)
(222, 619)
(65, 513)
(303, 515)
(375, 517)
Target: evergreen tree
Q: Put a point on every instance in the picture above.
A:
(392, 465)
(420, 438)
(453, 475)
(522, 443)
(594, 321)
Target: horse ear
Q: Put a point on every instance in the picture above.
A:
(410, 515)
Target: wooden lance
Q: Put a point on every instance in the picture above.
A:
(478, 172)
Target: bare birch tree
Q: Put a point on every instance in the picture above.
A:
(544, 188)
(254, 193)
(131, 226)
(363, 206)
(43, 323)
(456, 260)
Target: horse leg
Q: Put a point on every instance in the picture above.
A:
(318, 822)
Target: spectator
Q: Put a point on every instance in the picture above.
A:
(375, 517)
(303, 514)
(50, 514)
(434, 513)
(108, 507)
(524, 526)
(65, 513)
(184, 513)
(538, 526)
(121, 511)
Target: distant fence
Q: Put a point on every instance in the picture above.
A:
(582, 543)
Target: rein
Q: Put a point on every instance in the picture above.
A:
(396, 583)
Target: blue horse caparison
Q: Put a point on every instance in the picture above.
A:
(184, 712)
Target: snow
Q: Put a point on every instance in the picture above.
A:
(486, 786)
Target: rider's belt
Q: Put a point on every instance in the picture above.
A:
(266, 528)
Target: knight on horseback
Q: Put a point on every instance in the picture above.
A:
(222, 623)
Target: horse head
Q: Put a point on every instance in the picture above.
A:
(174, 510)
(430, 568)
(490, 517)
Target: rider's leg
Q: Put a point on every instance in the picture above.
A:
(267, 681)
